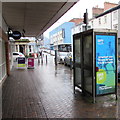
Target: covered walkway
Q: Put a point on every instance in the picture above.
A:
(47, 92)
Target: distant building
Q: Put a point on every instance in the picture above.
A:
(21, 46)
(107, 21)
(60, 37)
(25, 46)
(108, 5)
(5, 53)
(79, 28)
(76, 20)
(96, 11)
(46, 43)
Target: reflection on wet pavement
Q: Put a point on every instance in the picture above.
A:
(47, 92)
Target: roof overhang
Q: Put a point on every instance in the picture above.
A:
(33, 17)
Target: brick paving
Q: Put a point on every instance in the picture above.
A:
(47, 92)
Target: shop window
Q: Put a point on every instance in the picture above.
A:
(2, 60)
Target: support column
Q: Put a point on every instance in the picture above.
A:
(15, 48)
(28, 49)
(26, 52)
(18, 48)
(7, 58)
(31, 48)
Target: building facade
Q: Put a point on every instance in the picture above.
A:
(96, 11)
(60, 37)
(107, 21)
(25, 45)
(22, 46)
(5, 52)
(80, 28)
(46, 43)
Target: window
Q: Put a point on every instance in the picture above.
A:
(115, 15)
(115, 26)
(79, 28)
(83, 28)
(105, 19)
(64, 48)
(15, 54)
(99, 21)
(92, 23)
(88, 27)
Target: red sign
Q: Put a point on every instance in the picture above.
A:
(30, 62)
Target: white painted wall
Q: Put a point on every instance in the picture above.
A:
(108, 21)
(111, 21)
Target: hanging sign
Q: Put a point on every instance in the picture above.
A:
(16, 35)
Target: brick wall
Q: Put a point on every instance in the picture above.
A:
(108, 5)
(76, 20)
(96, 11)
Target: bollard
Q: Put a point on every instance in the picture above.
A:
(38, 58)
(46, 59)
(41, 59)
(70, 63)
(38, 61)
(56, 57)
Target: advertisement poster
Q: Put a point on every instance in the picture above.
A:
(105, 64)
(30, 62)
(21, 62)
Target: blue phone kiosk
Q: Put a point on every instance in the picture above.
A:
(95, 62)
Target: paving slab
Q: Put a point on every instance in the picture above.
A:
(46, 92)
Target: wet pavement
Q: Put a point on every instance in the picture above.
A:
(47, 92)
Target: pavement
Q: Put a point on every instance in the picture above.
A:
(46, 92)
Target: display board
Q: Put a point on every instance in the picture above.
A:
(30, 62)
(21, 62)
(105, 64)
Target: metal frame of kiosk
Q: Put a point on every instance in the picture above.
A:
(95, 62)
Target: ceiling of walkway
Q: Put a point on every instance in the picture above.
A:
(33, 17)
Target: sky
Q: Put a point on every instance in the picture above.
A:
(78, 10)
